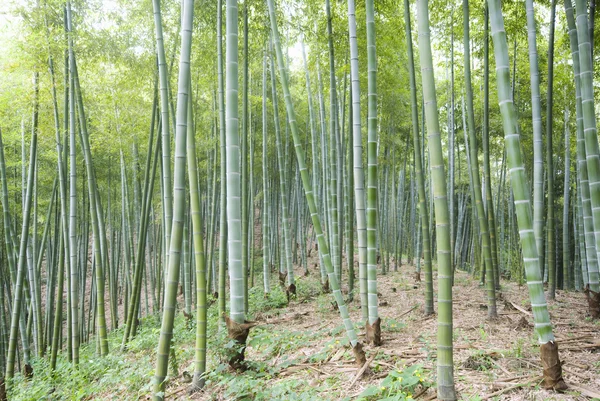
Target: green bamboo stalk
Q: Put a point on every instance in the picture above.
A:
(17, 304)
(424, 219)
(486, 154)
(126, 237)
(199, 255)
(74, 274)
(150, 172)
(38, 266)
(551, 252)
(474, 166)
(63, 242)
(166, 332)
(310, 199)
(166, 136)
(445, 365)
(451, 148)
(349, 204)
(32, 273)
(57, 326)
(265, 177)
(234, 226)
(244, 165)
(324, 189)
(283, 187)
(538, 163)
(333, 187)
(589, 128)
(521, 191)
(589, 246)
(566, 250)
(98, 233)
(371, 210)
(358, 173)
(223, 155)
(185, 265)
(10, 239)
(251, 206)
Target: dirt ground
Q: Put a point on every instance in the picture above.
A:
(493, 359)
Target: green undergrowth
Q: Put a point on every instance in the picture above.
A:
(279, 349)
(401, 384)
(119, 375)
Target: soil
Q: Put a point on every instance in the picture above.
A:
(497, 359)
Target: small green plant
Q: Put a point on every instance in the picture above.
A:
(399, 385)
(308, 287)
(519, 348)
(482, 333)
(259, 303)
(481, 361)
(271, 342)
(392, 325)
(324, 304)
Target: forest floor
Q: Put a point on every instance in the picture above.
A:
(299, 351)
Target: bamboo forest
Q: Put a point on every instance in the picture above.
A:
(299, 200)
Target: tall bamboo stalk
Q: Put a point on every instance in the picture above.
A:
(536, 111)
(17, 305)
(424, 215)
(551, 254)
(283, 189)
(357, 161)
(522, 202)
(98, 233)
(308, 190)
(445, 365)
(170, 302)
(589, 127)
(589, 246)
(223, 167)
(265, 177)
(474, 167)
(166, 136)
(371, 211)
(199, 256)
(566, 250)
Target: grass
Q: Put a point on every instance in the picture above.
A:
(128, 375)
